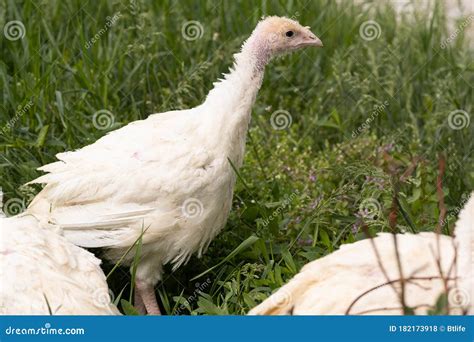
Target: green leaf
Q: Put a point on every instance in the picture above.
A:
(440, 306)
(42, 136)
(117, 299)
(325, 238)
(276, 190)
(209, 307)
(136, 261)
(251, 212)
(119, 262)
(402, 205)
(288, 258)
(244, 245)
(60, 105)
(416, 195)
(128, 308)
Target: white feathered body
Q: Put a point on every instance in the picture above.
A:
(143, 177)
(352, 276)
(42, 273)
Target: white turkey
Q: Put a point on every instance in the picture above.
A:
(351, 280)
(166, 179)
(44, 274)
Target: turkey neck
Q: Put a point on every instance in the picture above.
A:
(230, 103)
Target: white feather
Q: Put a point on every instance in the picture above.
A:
(42, 273)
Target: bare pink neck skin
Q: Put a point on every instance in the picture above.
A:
(255, 52)
(245, 77)
(234, 97)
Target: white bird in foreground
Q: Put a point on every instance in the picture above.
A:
(169, 176)
(42, 273)
(351, 281)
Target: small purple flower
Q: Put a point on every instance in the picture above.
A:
(379, 182)
(316, 202)
(355, 227)
(388, 148)
(362, 213)
(305, 242)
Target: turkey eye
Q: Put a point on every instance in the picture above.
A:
(289, 34)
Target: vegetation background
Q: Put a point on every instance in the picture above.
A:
(371, 131)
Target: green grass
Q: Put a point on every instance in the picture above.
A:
(313, 175)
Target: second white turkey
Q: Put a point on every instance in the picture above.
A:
(44, 274)
(364, 277)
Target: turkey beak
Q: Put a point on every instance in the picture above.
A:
(310, 39)
(314, 41)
